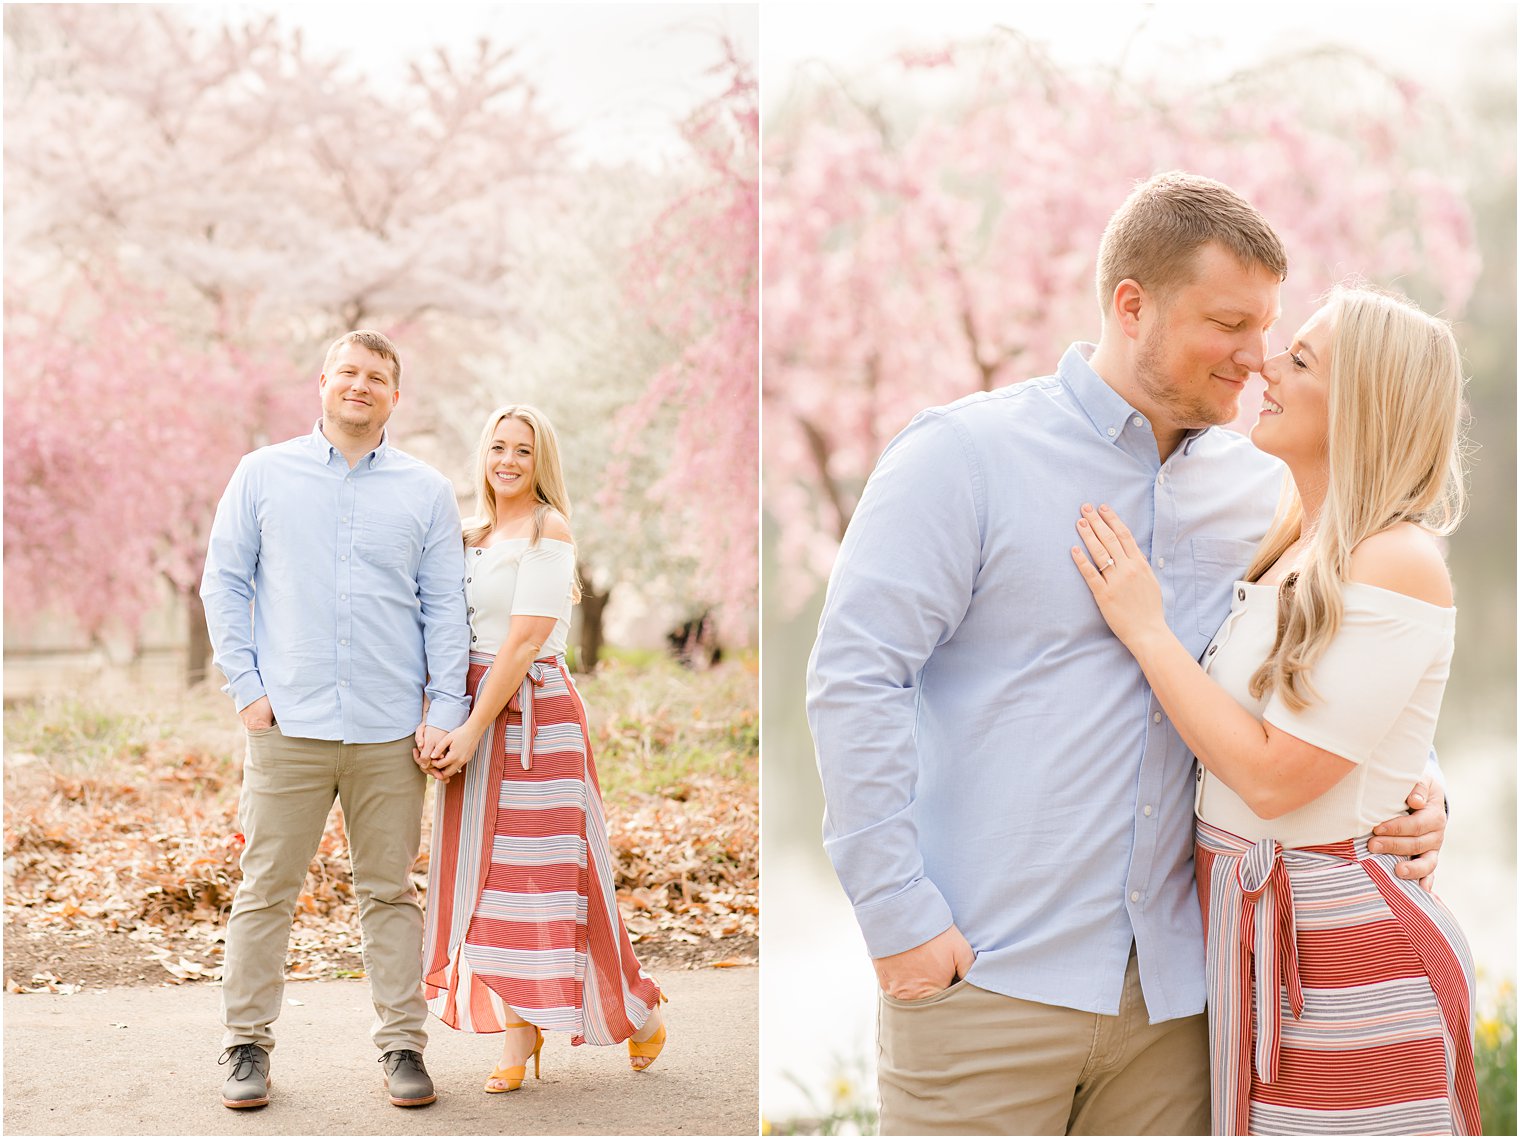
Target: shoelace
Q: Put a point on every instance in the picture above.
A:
(403, 1055)
(240, 1054)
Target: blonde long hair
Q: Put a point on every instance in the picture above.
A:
(1394, 445)
(548, 487)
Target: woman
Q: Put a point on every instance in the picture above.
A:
(1340, 995)
(523, 932)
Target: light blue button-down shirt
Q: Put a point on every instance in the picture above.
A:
(991, 754)
(356, 579)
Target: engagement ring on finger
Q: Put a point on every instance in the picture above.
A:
(1105, 565)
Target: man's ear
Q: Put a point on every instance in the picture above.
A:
(1130, 304)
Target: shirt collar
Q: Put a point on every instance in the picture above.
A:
(1108, 411)
(322, 448)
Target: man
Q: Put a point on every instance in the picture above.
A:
(1008, 807)
(349, 552)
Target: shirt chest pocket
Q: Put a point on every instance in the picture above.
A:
(1217, 564)
(387, 543)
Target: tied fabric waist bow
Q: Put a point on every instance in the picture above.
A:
(522, 701)
(1274, 943)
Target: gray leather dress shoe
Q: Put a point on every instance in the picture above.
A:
(248, 1083)
(406, 1078)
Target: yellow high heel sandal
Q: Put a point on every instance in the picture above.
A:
(513, 1077)
(650, 1049)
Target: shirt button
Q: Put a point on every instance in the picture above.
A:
(1199, 776)
(343, 557)
(1134, 895)
(472, 608)
(1138, 422)
(342, 642)
(342, 597)
(472, 640)
(1147, 810)
(343, 520)
(478, 551)
(468, 579)
(1161, 479)
(1161, 563)
(1213, 649)
(344, 683)
(1241, 594)
(1112, 431)
(1156, 716)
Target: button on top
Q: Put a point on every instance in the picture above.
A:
(1138, 422)
(1112, 431)
(1241, 594)
(1134, 895)
(1156, 716)
(1213, 649)
(1161, 478)
(343, 557)
(468, 579)
(1147, 810)
(1161, 563)
(478, 551)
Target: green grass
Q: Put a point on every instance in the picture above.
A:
(1495, 1061)
(656, 725)
(108, 730)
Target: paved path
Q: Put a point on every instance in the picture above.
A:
(142, 1061)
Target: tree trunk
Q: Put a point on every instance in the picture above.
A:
(593, 605)
(198, 657)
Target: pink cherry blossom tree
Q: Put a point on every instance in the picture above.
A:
(926, 245)
(198, 211)
(694, 280)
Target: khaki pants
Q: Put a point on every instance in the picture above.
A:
(971, 1062)
(288, 789)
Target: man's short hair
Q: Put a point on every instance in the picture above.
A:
(376, 342)
(1153, 237)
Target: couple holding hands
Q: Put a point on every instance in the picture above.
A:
(387, 644)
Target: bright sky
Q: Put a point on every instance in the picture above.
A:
(1432, 43)
(618, 76)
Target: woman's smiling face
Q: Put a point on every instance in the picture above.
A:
(509, 461)
(1295, 413)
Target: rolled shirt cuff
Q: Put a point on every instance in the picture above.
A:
(446, 715)
(905, 920)
(245, 689)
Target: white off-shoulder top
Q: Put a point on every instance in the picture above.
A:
(1378, 685)
(512, 577)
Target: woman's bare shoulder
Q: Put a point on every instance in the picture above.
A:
(557, 527)
(1406, 559)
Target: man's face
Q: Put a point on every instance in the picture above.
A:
(358, 390)
(1204, 339)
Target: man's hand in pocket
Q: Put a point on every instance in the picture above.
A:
(258, 715)
(925, 969)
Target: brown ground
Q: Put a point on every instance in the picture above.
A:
(108, 960)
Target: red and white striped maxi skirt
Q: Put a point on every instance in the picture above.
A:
(522, 920)
(1340, 995)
